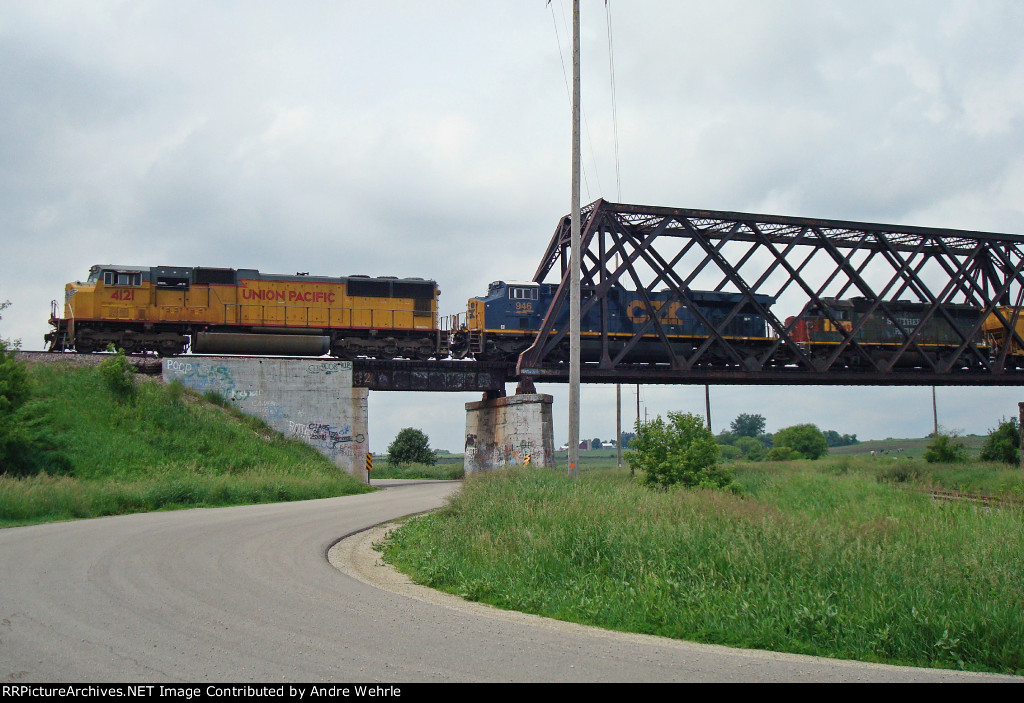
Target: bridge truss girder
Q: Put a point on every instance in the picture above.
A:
(802, 264)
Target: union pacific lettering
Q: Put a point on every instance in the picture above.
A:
(310, 296)
(248, 294)
(292, 296)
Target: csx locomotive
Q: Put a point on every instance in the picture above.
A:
(164, 309)
(504, 323)
(879, 336)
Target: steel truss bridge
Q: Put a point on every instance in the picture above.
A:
(802, 264)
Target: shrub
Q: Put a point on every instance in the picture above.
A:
(727, 451)
(26, 444)
(13, 383)
(783, 454)
(119, 375)
(806, 439)
(1003, 443)
(945, 449)
(680, 451)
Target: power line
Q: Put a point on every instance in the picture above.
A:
(586, 122)
(615, 106)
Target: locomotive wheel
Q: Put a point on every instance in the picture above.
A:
(423, 351)
(170, 349)
(459, 346)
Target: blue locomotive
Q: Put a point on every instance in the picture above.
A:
(503, 323)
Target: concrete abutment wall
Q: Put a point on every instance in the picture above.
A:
(310, 399)
(506, 431)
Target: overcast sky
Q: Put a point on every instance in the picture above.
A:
(431, 139)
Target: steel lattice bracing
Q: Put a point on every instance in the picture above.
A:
(880, 292)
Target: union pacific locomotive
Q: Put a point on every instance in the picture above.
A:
(165, 309)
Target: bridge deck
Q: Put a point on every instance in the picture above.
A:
(468, 375)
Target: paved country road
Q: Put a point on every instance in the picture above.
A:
(247, 594)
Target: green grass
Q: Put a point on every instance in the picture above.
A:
(447, 471)
(159, 448)
(818, 558)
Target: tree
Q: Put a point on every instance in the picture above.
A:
(1003, 443)
(625, 438)
(747, 425)
(683, 450)
(751, 448)
(595, 443)
(806, 439)
(411, 446)
(834, 439)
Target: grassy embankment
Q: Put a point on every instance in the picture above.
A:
(839, 557)
(163, 448)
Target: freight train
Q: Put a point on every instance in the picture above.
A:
(168, 310)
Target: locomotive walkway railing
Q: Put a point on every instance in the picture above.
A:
(854, 303)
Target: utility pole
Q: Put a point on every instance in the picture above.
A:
(707, 404)
(574, 256)
(1020, 428)
(935, 415)
(618, 425)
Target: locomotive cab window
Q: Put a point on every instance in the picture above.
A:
(522, 293)
(118, 278)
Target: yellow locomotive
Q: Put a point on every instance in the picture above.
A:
(167, 309)
(997, 333)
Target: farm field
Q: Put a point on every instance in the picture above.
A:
(913, 448)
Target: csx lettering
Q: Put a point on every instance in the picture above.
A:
(666, 311)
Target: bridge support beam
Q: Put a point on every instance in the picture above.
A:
(507, 431)
(309, 399)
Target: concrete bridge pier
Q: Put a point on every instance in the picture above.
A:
(509, 431)
(309, 399)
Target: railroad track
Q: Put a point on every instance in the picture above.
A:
(143, 364)
(946, 494)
